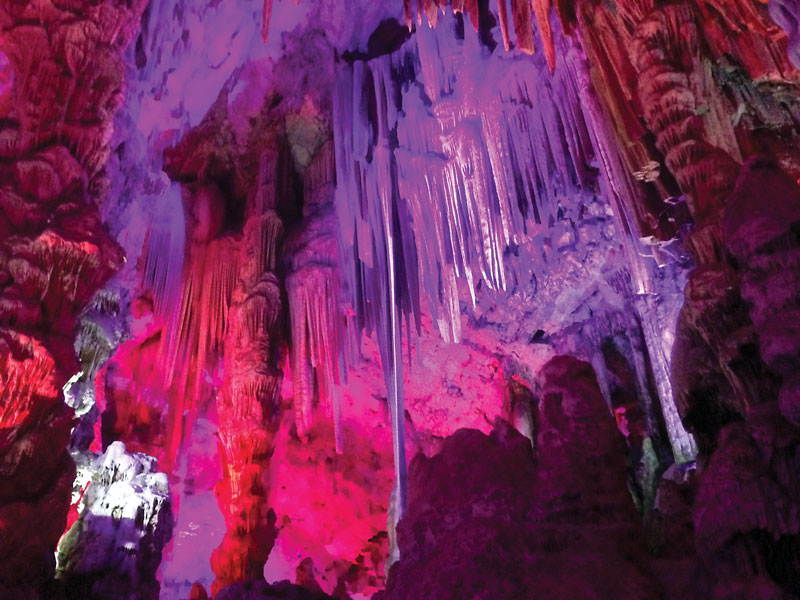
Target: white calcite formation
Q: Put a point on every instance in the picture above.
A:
(114, 547)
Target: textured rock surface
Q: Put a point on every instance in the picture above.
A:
(114, 547)
(487, 519)
(312, 286)
(260, 590)
(247, 405)
(238, 302)
(734, 365)
(66, 84)
(547, 195)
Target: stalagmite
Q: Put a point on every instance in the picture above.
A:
(382, 175)
(247, 405)
(502, 15)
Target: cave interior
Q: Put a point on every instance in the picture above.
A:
(399, 299)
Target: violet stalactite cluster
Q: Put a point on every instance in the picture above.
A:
(466, 174)
(523, 12)
(372, 252)
(312, 286)
(670, 67)
(67, 81)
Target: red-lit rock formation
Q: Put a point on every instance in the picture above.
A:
(760, 232)
(746, 523)
(664, 54)
(68, 79)
(247, 405)
(131, 392)
(754, 466)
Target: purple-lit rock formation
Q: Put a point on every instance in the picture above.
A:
(113, 549)
(488, 519)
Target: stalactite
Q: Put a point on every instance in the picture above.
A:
(195, 329)
(523, 13)
(314, 310)
(266, 19)
(476, 176)
(366, 204)
(541, 8)
(472, 9)
(165, 252)
(502, 15)
(432, 12)
(523, 25)
(447, 202)
(628, 196)
(312, 286)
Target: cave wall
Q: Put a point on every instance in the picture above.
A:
(66, 76)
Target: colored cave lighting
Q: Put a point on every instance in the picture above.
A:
(399, 300)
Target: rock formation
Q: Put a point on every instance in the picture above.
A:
(500, 296)
(263, 591)
(114, 547)
(487, 519)
(247, 406)
(67, 83)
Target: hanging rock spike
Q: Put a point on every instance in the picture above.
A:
(502, 13)
(541, 9)
(266, 19)
(523, 25)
